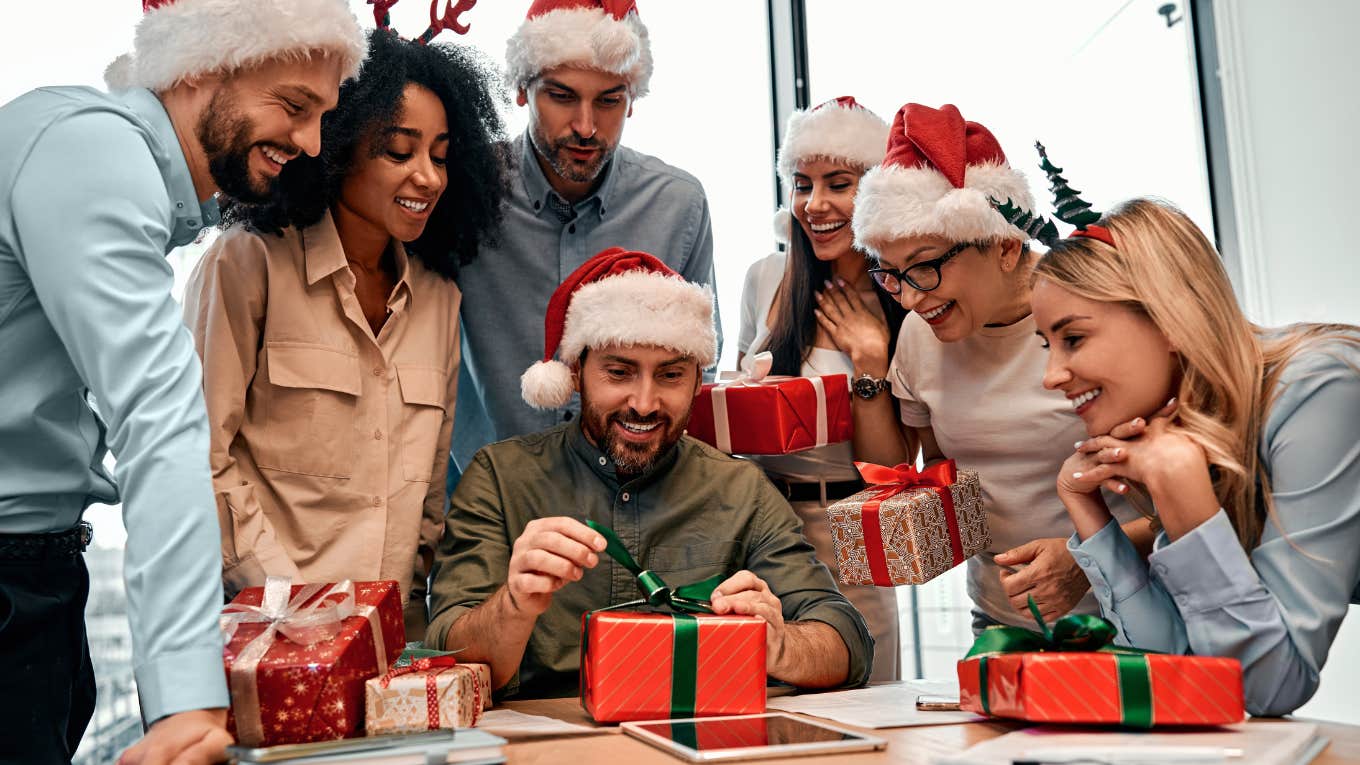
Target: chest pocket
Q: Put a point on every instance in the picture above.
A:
(309, 420)
(690, 563)
(422, 415)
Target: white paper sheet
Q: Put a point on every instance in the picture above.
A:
(890, 705)
(1261, 743)
(512, 724)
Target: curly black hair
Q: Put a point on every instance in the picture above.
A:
(469, 211)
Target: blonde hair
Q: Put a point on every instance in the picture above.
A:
(1165, 268)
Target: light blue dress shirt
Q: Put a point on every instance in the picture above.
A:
(641, 204)
(1279, 608)
(94, 191)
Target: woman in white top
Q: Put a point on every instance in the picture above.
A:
(946, 216)
(825, 152)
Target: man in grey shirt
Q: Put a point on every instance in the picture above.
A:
(573, 192)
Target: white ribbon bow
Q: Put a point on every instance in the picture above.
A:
(755, 372)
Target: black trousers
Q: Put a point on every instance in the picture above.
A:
(47, 688)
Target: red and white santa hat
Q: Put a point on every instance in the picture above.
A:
(940, 176)
(179, 39)
(603, 35)
(840, 129)
(618, 297)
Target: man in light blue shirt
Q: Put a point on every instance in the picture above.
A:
(574, 191)
(95, 190)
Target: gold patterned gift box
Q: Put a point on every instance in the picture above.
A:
(908, 527)
(427, 694)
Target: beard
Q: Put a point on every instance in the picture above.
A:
(555, 152)
(225, 135)
(628, 457)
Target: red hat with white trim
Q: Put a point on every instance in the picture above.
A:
(618, 297)
(841, 129)
(180, 39)
(941, 175)
(603, 35)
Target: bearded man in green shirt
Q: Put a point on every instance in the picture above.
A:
(519, 566)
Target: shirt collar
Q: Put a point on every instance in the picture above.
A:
(537, 188)
(604, 468)
(190, 215)
(324, 254)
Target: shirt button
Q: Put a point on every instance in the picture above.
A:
(1182, 600)
(624, 496)
(537, 205)
(179, 205)
(377, 435)
(377, 371)
(193, 223)
(566, 417)
(1083, 560)
(603, 462)
(377, 501)
(571, 229)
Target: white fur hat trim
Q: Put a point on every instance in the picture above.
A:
(854, 135)
(589, 38)
(895, 202)
(187, 38)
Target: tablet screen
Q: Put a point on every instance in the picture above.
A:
(744, 732)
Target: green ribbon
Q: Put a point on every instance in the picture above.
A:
(1072, 633)
(684, 601)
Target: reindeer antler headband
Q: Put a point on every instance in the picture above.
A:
(383, 18)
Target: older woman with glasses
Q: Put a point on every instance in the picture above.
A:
(937, 214)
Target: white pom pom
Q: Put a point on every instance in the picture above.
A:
(118, 74)
(783, 221)
(546, 384)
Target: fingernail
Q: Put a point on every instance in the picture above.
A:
(840, 281)
(1138, 421)
(827, 283)
(1077, 474)
(1170, 401)
(1078, 444)
(1121, 488)
(817, 295)
(1118, 452)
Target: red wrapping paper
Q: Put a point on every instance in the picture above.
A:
(626, 665)
(316, 693)
(1083, 687)
(775, 416)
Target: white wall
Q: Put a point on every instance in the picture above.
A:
(1291, 93)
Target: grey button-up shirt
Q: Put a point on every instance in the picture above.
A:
(695, 514)
(94, 191)
(641, 204)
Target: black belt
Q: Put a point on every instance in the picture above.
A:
(59, 544)
(811, 491)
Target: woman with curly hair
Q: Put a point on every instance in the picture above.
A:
(1253, 467)
(327, 321)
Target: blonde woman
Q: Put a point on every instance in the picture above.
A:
(935, 215)
(1254, 469)
(816, 311)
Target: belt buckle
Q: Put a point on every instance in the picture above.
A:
(86, 532)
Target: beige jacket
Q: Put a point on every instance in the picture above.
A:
(329, 446)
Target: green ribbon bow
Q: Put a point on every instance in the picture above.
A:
(1074, 632)
(684, 601)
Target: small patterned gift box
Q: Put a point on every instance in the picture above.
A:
(427, 694)
(908, 527)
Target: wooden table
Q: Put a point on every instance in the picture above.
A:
(906, 746)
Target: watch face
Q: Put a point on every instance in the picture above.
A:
(866, 387)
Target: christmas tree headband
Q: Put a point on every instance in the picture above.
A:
(449, 20)
(1068, 205)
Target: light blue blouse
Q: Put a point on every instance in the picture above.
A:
(1278, 609)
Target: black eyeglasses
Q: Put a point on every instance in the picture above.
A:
(922, 276)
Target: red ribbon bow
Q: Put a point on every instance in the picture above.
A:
(438, 663)
(891, 481)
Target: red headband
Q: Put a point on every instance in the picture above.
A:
(1098, 233)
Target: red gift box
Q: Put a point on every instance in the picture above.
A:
(1140, 690)
(631, 669)
(773, 415)
(297, 657)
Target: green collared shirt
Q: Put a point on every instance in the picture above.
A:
(697, 513)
